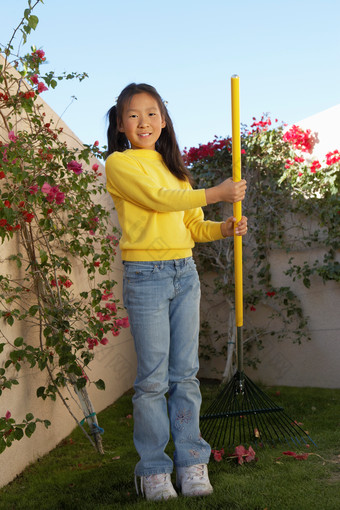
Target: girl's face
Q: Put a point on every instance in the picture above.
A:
(142, 121)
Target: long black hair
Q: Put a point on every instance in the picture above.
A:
(166, 145)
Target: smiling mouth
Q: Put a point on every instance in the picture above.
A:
(144, 135)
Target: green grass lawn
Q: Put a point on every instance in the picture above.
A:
(73, 476)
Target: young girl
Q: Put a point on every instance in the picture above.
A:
(161, 219)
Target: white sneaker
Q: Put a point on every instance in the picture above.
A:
(194, 480)
(156, 487)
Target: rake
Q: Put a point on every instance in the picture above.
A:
(242, 413)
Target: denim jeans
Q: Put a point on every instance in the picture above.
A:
(162, 300)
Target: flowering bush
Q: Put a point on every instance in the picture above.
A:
(284, 190)
(48, 202)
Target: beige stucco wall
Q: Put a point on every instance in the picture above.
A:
(313, 363)
(115, 362)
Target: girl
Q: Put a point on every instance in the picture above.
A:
(161, 219)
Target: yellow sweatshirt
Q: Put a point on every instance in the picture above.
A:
(160, 216)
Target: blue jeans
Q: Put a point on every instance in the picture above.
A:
(162, 300)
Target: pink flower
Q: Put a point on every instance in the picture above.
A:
(107, 295)
(7, 415)
(115, 332)
(218, 454)
(41, 87)
(96, 143)
(12, 137)
(59, 197)
(111, 306)
(75, 167)
(244, 455)
(95, 167)
(104, 341)
(46, 188)
(122, 323)
(34, 79)
(33, 189)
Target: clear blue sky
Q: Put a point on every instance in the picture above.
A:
(287, 54)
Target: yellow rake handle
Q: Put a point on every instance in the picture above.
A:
(237, 207)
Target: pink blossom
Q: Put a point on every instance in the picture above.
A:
(104, 341)
(59, 197)
(34, 79)
(107, 295)
(92, 342)
(95, 167)
(7, 415)
(111, 306)
(115, 332)
(41, 87)
(75, 167)
(46, 188)
(92, 232)
(33, 189)
(122, 323)
(96, 143)
(12, 137)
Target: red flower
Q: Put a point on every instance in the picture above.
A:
(302, 456)
(7, 415)
(252, 308)
(104, 341)
(97, 263)
(315, 166)
(33, 189)
(2, 175)
(95, 167)
(3, 222)
(28, 217)
(40, 54)
(271, 294)
(96, 143)
(7, 203)
(217, 454)
(300, 139)
(332, 157)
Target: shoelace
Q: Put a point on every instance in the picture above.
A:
(153, 481)
(196, 471)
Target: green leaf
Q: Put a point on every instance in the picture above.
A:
(33, 310)
(40, 391)
(30, 429)
(18, 341)
(2, 347)
(18, 433)
(29, 417)
(2, 445)
(33, 21)
(47, 423)
(100, 384)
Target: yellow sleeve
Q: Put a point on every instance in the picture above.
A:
(127, 180)
(202, 231)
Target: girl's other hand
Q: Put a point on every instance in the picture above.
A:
(227, 228)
